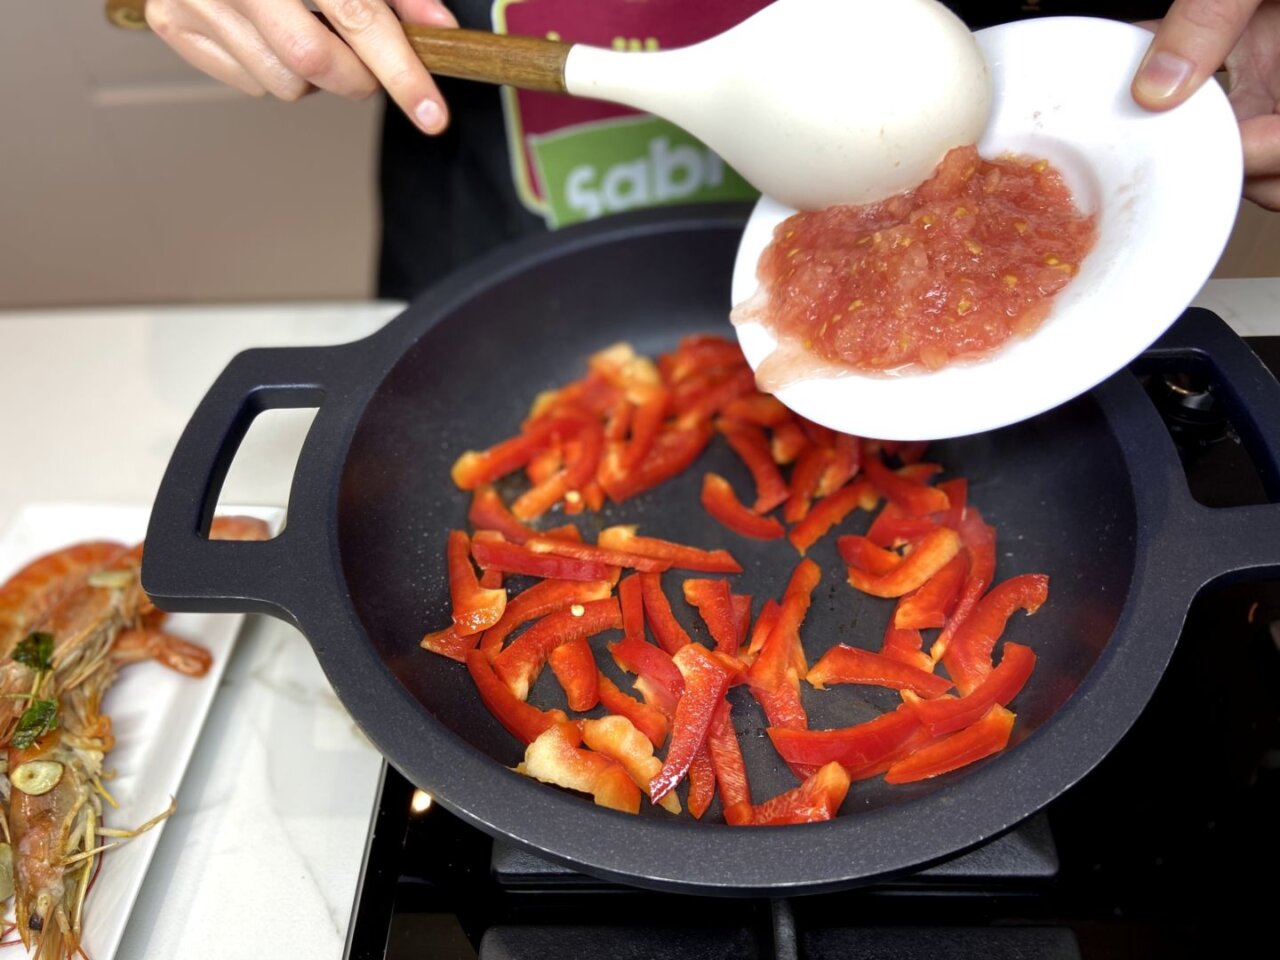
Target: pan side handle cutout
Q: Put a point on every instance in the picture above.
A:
(261, 474)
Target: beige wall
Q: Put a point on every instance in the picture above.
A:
(127, 177)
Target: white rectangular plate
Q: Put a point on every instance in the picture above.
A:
(156, 714)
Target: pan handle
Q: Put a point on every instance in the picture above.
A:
(1230, 542)
(182, 569)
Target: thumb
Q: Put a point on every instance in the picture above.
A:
(1191, 43)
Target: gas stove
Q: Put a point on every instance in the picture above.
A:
(1160, 852)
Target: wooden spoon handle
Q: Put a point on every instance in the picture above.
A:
(526, 62)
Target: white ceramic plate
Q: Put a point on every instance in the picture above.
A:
(1166, 188)
(156, 714)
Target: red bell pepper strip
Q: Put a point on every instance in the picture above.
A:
(623, 368)
(859, 552)
(764, 623)
(844, 664)
(846, 460)
(632, 603)
(758, 408)
(574, 665)
(932, 554)
(666, 628)
(491, 579)
(818, 434)
(449, 643)
(488, 512)
(932, 603)
(542, 466)
(989, 735)
(752, 447)
(788, 442)
(829, 511)
(555, 757)
(917, 499)
(664, 682)
(477, 467)
(805, 476)
(782, 648)
(893, 528)
(957, 492)
(679, 555)
(595, 553)
(714, 602)
(523, 721)
(490, 550)
(539, 600)
(948, 714)
(968, 658)
(782, 704)
(646, 425)
(719, 500)
(699, 353)
(592, 394)
(979, 541)
(573, 477)
(702, 782)
(705, 683)
(709, 402)
(650, 721)
(905, 647)
(726, 757)
(617, 738)
(617, 422)
(912, 451)
(474, 608)
(519, 664)
(854, 748)
(742, 616)
(672, 452)
(818, 798)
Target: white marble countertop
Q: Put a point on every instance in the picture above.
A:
(264, 853)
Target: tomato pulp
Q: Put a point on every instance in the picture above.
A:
(950, 270)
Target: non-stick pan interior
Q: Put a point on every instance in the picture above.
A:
(1056, 489)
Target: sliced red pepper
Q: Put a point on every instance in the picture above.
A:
(705, 683)
(854, 748)
(555, 757)
(829, 511)
(523, 721)
(719, 500)
(541, 467)
(632, 603)
(519, 664)
(650, 721)
(912, 451)
(449, 643)
(957, 492)
(788, 442)
(617, 422)
(539, 600)
(702, 782)
(491, 579)
(989, 735)
(616, 737)
(488, 512)
(646, 425)
(574, 665)
(477, 467)
(930, 555)
(714, 602)
(726, 757)
(758, 408)
(666, 628)
(623, 368)
(679, 555)
(782, 648)
(752, 447)
(932, 603)
(474, 607)
(490, 550)
(805, 477)
(575, 475)
(905, 647)
(917, 499)
(595, 553)
(742, 616)
(846, 460)
(673, 451)
(844, 664)
(822, 436)
(709, 402)
(948, 714)
(817, 799)
(699, 353)
(653, 665)
(968, 658)
(592, 394)
(979, 541)
(861, 553)
(893, 528)
(764, 623)
(782, 704)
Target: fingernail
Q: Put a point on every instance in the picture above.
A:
(1162, 75)
(429, 115)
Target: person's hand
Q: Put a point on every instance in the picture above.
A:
(279, 47)
(1193, 41)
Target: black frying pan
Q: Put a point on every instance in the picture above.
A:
(1090, 493)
